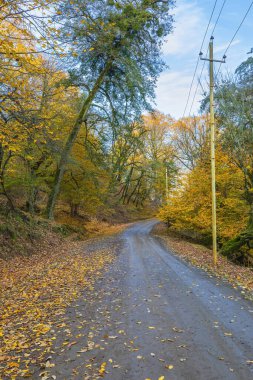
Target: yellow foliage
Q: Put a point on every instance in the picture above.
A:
(189, 206)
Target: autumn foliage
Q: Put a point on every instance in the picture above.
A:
(72, 133)
(34, 295)
(189, 206)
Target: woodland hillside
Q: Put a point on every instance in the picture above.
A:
(81, 139)
(109, 196)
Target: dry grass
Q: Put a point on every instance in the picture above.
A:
(96, 227)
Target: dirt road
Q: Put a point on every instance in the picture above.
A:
(150, 316)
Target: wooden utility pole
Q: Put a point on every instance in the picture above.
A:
(212, 136)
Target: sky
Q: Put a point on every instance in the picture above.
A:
(181, 50)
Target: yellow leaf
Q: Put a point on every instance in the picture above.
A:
(102, 369)
(13, 364)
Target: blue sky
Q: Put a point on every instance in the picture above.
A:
(182, 48)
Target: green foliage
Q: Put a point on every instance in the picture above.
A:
(128, 34)
(239, 248)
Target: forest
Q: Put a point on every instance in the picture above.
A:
(81, 139)
(106, 201)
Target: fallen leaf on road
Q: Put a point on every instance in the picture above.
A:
(102, 368)
(177, 330)
(71, 344)
(82, 350)
(167, 340)
(13, 364)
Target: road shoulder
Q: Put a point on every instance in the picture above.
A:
(239, 277)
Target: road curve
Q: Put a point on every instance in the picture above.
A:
(152, 315)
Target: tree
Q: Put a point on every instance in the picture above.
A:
(140, 157)
(26, 23)
(85, 181)
(35, 108)
(115, 49)
(235, 119)
(159, 153)
(189, 206)
(234, 109)
(189, 140)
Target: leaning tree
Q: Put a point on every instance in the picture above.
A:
(112, 49)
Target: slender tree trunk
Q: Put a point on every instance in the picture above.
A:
(135, 188)
(32, 200)
(249, 198)
(3, 165)
(73, 209)
(250, 222)
(125, 191)
(70, 142)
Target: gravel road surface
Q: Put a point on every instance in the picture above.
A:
(152, 315)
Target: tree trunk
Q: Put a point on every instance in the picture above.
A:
(128, 180)
(70, 142)
(73, 209)
(250, 222)
(32, 199)
(136, 188)
(3, 165)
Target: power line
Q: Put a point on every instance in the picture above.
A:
(195, 93)
(197, 63)
(202, 88)
(237, 30)
(203, 66)
(218, 17)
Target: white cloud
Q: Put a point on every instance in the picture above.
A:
(222, 48)
(182, 48)
(173, 85)
(172, 91)
(188, 29)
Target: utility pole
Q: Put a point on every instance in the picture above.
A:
(211, 60)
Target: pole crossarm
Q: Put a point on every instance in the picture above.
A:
(213, 60)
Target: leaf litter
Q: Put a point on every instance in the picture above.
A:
(35, 292)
